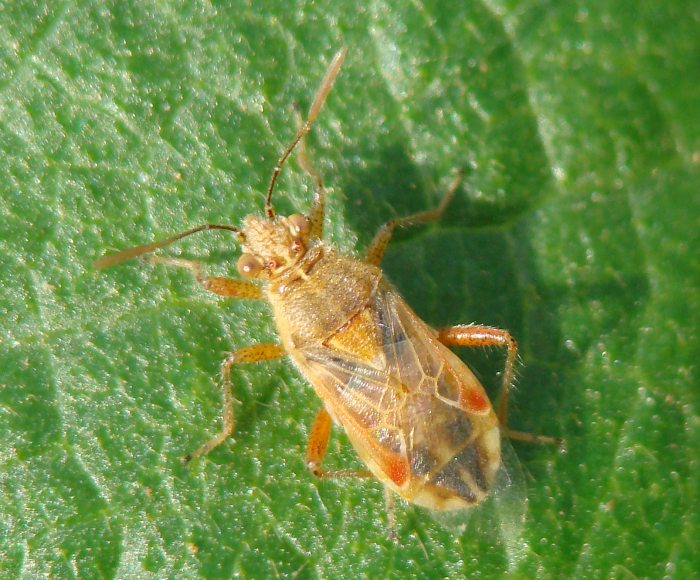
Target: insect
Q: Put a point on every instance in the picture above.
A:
(415, 413)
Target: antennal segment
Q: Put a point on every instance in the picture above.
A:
(118, 257)
(319, 99)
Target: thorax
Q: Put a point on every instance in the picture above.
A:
(320, 295)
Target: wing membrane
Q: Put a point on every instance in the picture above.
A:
(405, 408)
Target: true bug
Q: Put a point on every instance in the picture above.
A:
(416, 415)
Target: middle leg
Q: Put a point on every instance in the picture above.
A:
(247, 354)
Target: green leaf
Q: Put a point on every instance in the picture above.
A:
(576, 229)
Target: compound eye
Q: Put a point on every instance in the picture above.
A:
(248, 266)
(299, 225)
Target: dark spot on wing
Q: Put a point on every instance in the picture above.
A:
(422, 461)
(450, 478)
(462, 472)
(457, 432)
(472, 459)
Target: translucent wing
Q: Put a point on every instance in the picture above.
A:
(415, 413)
(499, 522)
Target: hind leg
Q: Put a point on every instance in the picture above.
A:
(480, 336)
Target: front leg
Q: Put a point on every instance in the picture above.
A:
(227, 287)
(381, 240)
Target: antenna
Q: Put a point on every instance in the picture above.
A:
(321, 94)
(118, 257)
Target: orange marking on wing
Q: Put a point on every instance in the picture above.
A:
(474, 401)
(397, 470)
